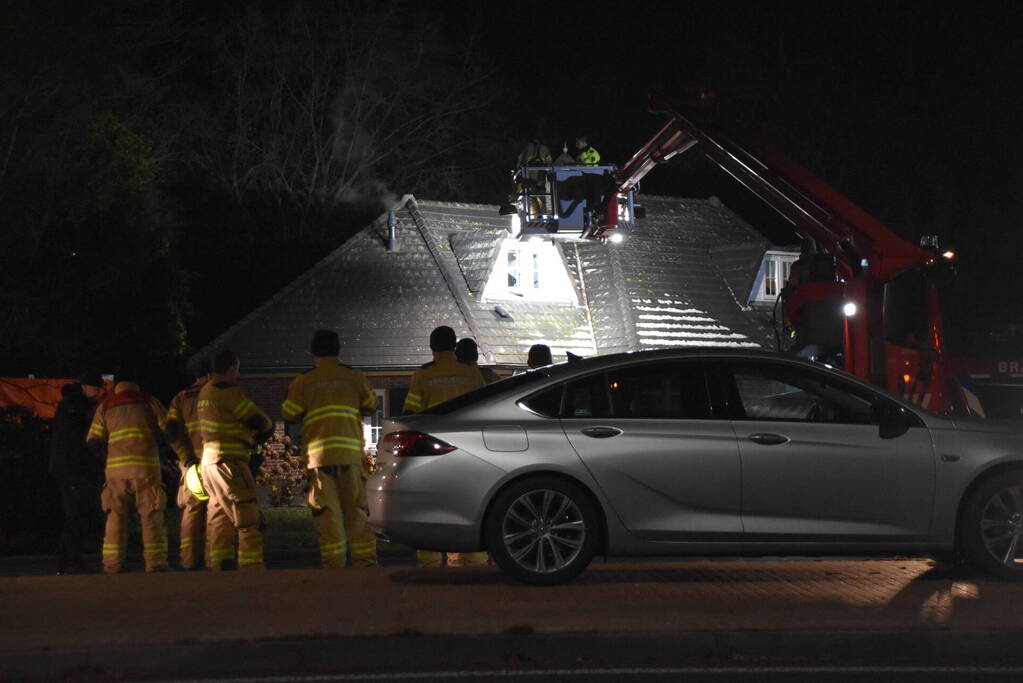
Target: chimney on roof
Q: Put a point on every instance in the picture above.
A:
(392, 231)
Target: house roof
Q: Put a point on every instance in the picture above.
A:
(667, 285)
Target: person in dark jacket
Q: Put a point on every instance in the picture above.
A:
(466, 351)
(539, 356)
(77, 474)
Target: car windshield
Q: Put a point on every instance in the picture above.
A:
(514, 382)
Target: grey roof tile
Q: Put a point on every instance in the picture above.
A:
(662, 287)
(476, 253)
(677, 295)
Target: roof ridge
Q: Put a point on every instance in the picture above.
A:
(466, 205)
(461, 300)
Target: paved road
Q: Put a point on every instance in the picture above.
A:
(861, 674)
(683, 657)
(658, 620)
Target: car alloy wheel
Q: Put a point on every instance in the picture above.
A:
(993, 526)
(1000, 525)
(543, 530)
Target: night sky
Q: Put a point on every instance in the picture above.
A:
(911, 109)
(131, 154)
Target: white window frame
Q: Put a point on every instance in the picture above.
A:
(372, 424)
(525, 269)
(766, 290)
(539, 272)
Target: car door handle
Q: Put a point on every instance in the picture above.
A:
(601, 432)
(768, 439)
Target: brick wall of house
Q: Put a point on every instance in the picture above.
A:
(267, 392)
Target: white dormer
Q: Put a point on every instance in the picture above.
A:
(774, 272)
(530, 270)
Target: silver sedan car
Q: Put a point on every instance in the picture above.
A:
(695, 453)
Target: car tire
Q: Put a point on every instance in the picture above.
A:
(543, 530)
(991, 535)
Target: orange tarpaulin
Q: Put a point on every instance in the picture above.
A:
(40, 395)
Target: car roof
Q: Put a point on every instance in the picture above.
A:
(562, 370)
(540, 379)
(695, 353)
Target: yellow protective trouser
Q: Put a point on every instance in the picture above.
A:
(193, 519)
(209, 537)
(233, 512)
(429, 558)
(150, 501)
(337, 500)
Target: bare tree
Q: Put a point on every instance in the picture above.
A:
(333, 104)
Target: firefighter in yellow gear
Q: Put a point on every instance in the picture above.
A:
(442, 379)
(185, 438)
(231, 425)
(330, 401)
(535, 153)
(124, 431)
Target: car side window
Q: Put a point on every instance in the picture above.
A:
(659, 391)
(587, 398)
(547, 402)
(780, 392)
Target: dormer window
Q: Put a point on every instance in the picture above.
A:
(774, 272)
(531, 270)
(523, 269)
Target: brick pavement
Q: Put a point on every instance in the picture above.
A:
(86, 611)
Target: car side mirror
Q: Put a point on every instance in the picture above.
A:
(892, 419)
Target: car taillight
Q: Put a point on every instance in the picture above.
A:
(408, 444)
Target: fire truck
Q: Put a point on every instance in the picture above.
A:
(893, 334)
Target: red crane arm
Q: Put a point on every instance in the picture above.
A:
(815, 209)
(866, 252)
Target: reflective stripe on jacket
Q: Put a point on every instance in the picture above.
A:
(128, 422)
(330, 401)
(441, 380)
(228, 421)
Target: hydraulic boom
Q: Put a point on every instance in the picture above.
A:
(895, 339)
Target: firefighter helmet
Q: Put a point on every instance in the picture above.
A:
(193, 480)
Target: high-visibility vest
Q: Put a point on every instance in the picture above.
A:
(330, 401)
(440, 380)
(127, 422)
(589, 157)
